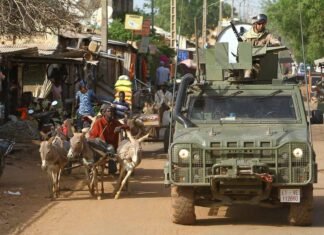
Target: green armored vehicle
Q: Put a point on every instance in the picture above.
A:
(238, 141)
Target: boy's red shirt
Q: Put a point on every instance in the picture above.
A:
(106, 134)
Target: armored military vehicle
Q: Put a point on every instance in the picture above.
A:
(240, 141)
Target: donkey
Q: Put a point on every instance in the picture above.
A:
(129, 157)
(81, 150)
(53, 157)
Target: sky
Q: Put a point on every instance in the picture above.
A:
(252, 7)
(138, 3)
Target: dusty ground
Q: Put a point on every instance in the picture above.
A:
(24, 188)
(146, 207)
(22, 176)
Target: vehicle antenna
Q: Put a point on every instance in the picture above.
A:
(175, 73)
(305, 75)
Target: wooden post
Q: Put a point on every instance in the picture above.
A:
(173, 23)
(204, 24)
(104, 26)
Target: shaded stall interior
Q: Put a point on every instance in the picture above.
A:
(31, 73)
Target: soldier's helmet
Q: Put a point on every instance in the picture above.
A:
(261, 18)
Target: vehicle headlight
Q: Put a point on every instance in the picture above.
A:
(298, 153)
(183, 154)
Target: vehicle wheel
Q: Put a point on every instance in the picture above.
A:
(300, 214)
(2, 165)
(183, 208)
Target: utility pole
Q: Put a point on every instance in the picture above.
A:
(104, 26)
(152, 17)
(173, 23)
(232, 10)
(220, 14)
(204, 24)
(220, 19)
(197, 51)
(244, 11)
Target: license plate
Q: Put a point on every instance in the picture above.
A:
(290, 195)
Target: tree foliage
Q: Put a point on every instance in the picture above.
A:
(118, 32)
(28, 17)
(187, 10)
(285, 18)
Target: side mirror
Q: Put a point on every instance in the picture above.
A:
(317, 117)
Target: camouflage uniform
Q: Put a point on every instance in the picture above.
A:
(258, 39)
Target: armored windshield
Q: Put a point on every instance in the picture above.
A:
(242, 108)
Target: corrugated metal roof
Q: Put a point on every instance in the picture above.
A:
(45, 53)
(113, 42)
(46, 59)
(41, 54)
(107, 55)
(18, 50)
(71, 34)
(9, 50)
(44, 49)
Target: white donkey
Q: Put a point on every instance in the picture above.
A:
(53, 157)
(129, 157)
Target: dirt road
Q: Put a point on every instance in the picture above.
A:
(145, 210)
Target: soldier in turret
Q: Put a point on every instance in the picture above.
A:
(258, 35)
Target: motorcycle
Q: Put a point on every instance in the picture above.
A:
(5, 148)
(47, 120)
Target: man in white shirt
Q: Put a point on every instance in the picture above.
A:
(163, 100)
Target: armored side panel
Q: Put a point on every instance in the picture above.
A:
(269, 67)
(217, 60)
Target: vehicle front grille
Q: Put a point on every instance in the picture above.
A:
(279, 160)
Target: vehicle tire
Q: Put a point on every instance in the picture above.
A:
(183, 208)
(2, 165)
(317, 117)
(301, 214)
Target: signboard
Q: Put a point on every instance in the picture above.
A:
(144, 45)
(133, 22)
(146, 29)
